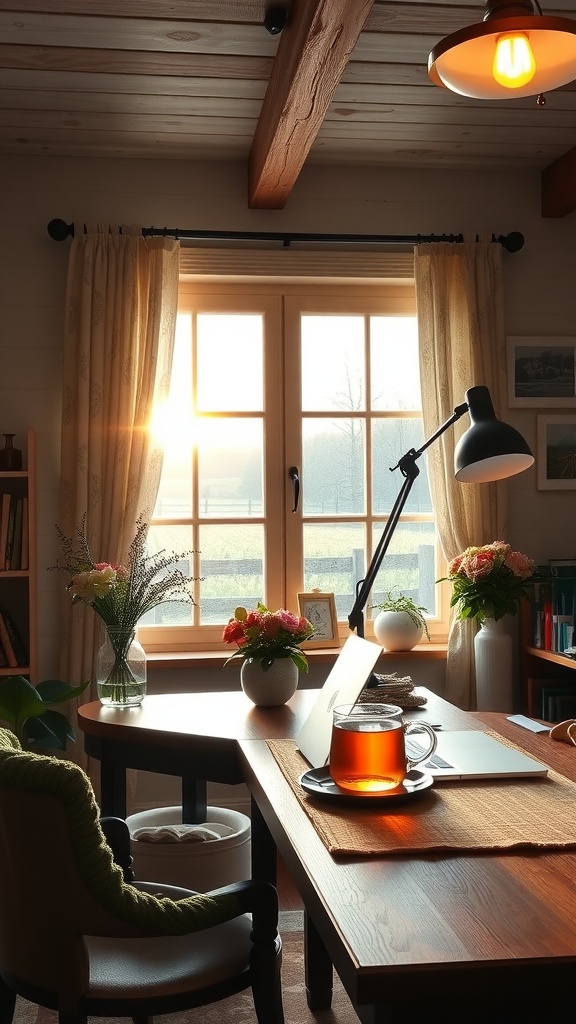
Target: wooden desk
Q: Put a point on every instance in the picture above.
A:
(461, 938)
(190, 735)
(456, 939)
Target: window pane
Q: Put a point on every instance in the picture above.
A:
(230, 362)
(333, 466)
(334, 561)
(408, 566)
(171, 539)
(230, 467)
(394, 361)
(232, 567)
(333, 363)
(391, 439)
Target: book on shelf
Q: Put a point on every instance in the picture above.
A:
(564, 707)
(553, 597)
(16, 558)
(6, 643)
(24, 552)
(558, 702)
(9, 549)
(4, 518)
(12, 643)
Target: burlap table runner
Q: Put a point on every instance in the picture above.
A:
(492, 815)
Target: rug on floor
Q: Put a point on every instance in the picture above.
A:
(239, 1009)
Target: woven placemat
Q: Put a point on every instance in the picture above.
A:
(492, 815)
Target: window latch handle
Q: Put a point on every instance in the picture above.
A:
(294, 474)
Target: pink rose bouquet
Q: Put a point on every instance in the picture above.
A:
(267, 635)
(488, 581)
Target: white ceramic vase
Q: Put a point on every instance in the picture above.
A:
(494, 666)
(397, 631)
(270, 688)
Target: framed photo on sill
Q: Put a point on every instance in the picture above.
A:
(320, 610)
(541, 372)
(556, 455)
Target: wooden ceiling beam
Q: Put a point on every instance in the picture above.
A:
(314, 49)
(558, 186)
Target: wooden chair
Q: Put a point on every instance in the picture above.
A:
(76, 937)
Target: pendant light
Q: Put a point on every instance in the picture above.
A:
(515, 51)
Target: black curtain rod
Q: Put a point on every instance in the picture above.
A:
(513, 242)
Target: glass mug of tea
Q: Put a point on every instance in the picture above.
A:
(367, 750)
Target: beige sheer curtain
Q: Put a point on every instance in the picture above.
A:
(462, 343)
(121, 306)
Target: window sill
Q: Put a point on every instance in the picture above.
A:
(216, 659)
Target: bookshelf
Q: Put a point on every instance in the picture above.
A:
(540, 667)
(19, 586)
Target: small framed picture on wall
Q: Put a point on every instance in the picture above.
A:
(320, 610)
(542, 372)
(556, 453)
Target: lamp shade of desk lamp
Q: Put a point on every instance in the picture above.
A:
(489, 450)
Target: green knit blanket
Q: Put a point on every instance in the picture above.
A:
(20, 769)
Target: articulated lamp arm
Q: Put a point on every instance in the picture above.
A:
(409, 469)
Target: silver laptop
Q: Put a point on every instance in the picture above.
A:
(474, 755)
(343, 686)
(459, 755)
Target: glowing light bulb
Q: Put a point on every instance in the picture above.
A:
(514, 63)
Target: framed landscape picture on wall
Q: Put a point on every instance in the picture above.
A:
(556, 453)
(542, 372)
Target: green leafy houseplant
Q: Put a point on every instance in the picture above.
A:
(27, 711)
(401, 603)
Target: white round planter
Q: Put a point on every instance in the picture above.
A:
(396, 631)
(201, 865)
(270, 688)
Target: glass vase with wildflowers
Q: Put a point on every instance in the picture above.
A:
(266, 636)
(122, 594)
(488, 581)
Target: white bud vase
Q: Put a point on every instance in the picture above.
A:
(272, 687)
(494, 668)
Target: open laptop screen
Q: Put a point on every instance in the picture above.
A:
(343, 685)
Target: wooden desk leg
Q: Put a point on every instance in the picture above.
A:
(317, 968)
(112, 789)
(193, 800)
(263, 847)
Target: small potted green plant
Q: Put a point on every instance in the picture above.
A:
(400, 623)
(28, 711)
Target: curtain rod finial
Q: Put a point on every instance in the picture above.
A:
(58, 230)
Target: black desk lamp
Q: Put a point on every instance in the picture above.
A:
(489, 450)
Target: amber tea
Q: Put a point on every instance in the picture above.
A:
(367, 752)
(367, 756)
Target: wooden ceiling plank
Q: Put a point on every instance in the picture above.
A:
(314, 49)
(558, 186)
(127, 122)
(244, 12)
(135, 34)
(84, 83)
(205, 65)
